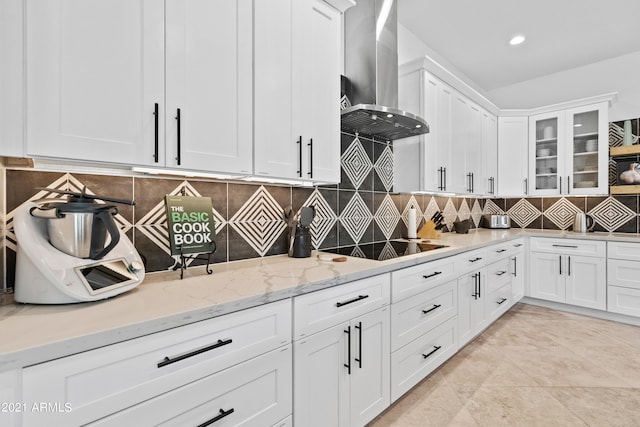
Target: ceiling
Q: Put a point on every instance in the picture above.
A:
(473, 35)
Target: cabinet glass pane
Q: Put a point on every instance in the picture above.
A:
(547, 154)
(585, 150)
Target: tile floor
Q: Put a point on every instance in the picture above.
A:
(532, 367)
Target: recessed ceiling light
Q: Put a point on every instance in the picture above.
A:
(516, 40)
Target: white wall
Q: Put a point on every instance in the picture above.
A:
(620, 74)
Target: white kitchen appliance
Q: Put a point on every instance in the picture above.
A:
(48, 275)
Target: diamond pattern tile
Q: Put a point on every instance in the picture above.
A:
(387, 216)
(432, 208)
(259, 221)
(612, 214)
(616, 134)
(491, 208)
(450, 214)
(356, 217)
(523, 213)
(562, 213)
(356, 163)
(463, 211)
(324, 220)
(476, 213)
(384, 168)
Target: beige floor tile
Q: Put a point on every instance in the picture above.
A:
(601, 406)
(519, 406)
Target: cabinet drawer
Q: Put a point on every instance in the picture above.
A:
(569, 246)
(254, 393)
(623, 300)
(416, 360)
(413, 280)
(415, 316)
(499, 301)
(106, 380)
(624, 250)
(498, 273)
(623, 273)
(471, 260)
(320, 310)
(505, 249)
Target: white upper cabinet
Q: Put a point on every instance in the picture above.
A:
(209, 85)
(568, 151)
(11, 79)
(489, 156)
(95, 72)
(297, 90)
(513, 134)
(96, 82)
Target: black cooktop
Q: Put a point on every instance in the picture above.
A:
(389, 249)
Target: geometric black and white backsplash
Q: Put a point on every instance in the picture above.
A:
(362, 209)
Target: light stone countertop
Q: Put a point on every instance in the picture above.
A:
(31, 334)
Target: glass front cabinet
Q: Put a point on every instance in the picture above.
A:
(568, 151)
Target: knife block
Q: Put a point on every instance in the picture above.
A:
(428, 231)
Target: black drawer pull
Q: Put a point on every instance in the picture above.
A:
(358, 298)
(517, 245)
(501, 301)
(170, 360)
(155, 135)
(475, 259)
(501, 250)
(565, 246)
(432, 274)
(435, 348)
(500, 273)
(348, 365)
(432, 308)
(223, 414)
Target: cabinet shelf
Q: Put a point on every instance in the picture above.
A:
(546, 157)
(585, 135)
(585, 153)
(625, 150)
(625, 189)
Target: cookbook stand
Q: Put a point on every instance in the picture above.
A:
(184, 258)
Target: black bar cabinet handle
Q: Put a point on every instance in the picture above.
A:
(359, 359)
(222, 414)
(440, 180)
(569, 265)
(348, 364)
(560, 263)
(500, 273)
(568, 184)
(501, 250)
(565, 246)
(310, 145)
(178, 138)
(169, 360)
(472, 183)
(475, 259)
(435, 306)
(431, 275)
(526, 186)
(358, 298)
(299, 156)
(502, 300)
(515, 266)
(445, 179)
(517, 245)
(155, 136)
(475, 286)
(479, 285)
(560, 184)
(435, 348)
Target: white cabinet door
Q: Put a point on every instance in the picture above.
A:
(586, 281)
(297, 83)
(472, 317)
(473, 149)
(321, 379)
(547, 280)
(370, 366)
(96, 71)
(11, 79)
(546, 154)
(587, 146)
(513, 139)
(209, 85)
(460, 117)
(489, 155)
(517, 271)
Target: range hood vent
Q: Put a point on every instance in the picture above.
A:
(370, 89)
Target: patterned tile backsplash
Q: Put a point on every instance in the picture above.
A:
(362, 209)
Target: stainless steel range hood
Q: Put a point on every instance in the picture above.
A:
(371, 67)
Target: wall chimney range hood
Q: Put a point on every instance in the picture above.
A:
(371, 68)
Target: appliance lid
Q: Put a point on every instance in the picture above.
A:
(370, 90)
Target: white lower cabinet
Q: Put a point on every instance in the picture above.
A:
(253, 393)
(105, 381)
(561, 273)
(341, 373)
(623, 278)
(472, 313)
